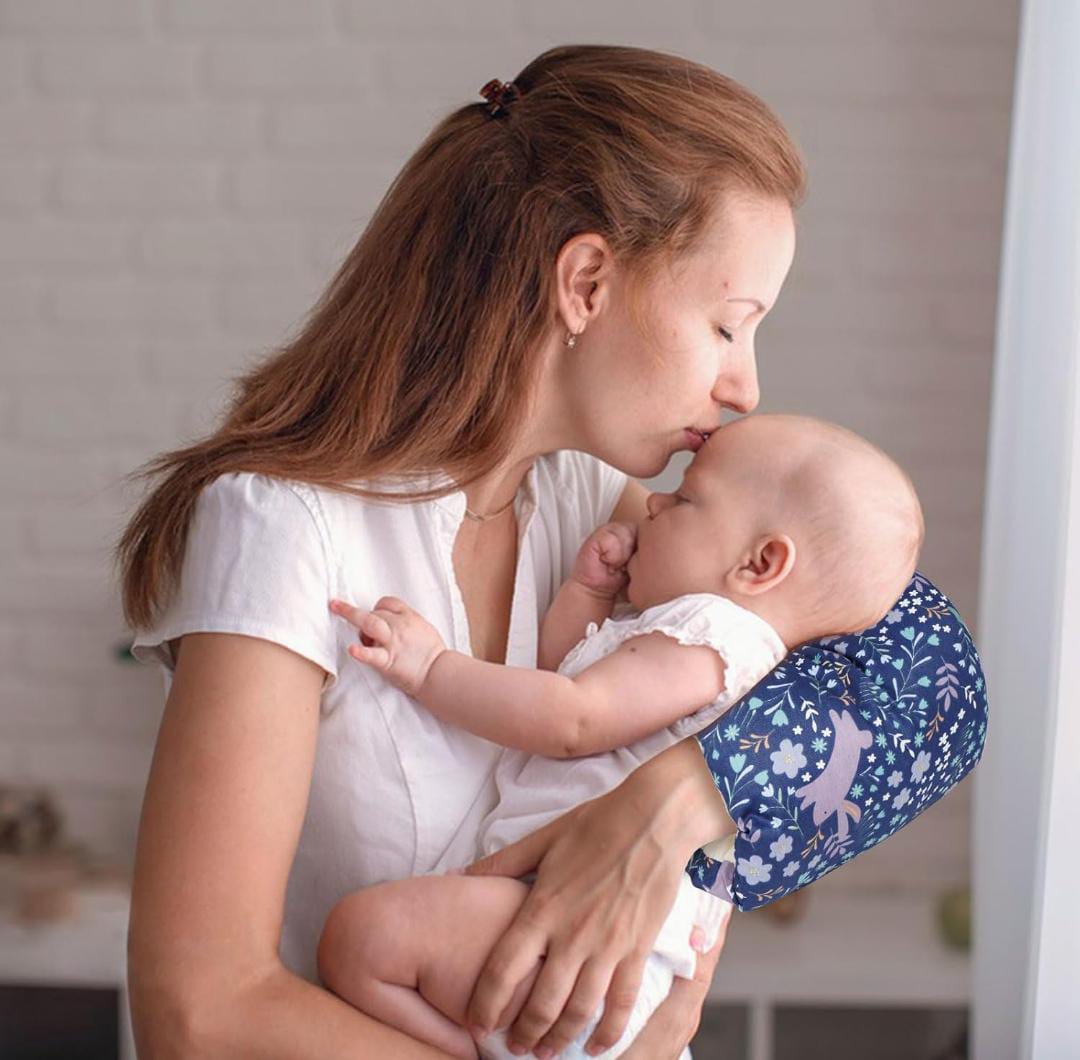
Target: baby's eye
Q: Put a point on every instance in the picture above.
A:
(727, 334)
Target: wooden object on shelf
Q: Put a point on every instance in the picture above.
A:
(788, 909)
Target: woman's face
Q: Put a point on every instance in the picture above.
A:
(633, 395)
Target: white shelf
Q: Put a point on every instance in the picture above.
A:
(848, 948)
(89, 950)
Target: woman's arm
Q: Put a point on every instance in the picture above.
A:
(220, 822)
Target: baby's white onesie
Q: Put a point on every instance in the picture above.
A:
(534, 789)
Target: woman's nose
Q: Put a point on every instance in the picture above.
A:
(736, 388)
(657, 502)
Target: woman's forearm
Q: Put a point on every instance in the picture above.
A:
(678, 796)
(280, 1016)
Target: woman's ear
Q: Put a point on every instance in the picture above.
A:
(767, 564)
(582, 271)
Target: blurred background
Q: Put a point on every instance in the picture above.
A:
(179, 179)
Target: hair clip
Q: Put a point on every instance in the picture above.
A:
(499, 96)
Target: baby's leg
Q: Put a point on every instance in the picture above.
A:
(409, 952)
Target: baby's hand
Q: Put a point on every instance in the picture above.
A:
(395, 639)
(601, 561)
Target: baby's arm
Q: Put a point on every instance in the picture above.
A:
(649, 682)
(589, 594)
(408, 952)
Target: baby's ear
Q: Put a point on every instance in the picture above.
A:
(767, 564)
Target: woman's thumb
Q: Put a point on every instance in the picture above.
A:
(514, 860)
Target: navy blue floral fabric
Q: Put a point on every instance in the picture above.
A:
(843, 743)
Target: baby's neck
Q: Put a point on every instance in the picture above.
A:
(774, 611)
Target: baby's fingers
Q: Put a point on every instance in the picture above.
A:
(617, 543)
(377, 657)
(374, 629)
(351, 614)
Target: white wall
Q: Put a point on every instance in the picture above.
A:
(178, 179)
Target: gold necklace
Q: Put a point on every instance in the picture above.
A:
(484, 518)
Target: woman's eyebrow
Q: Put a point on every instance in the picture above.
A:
(752, 301)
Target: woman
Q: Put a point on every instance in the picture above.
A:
(560, 290)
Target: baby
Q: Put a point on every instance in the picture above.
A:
(785, 529)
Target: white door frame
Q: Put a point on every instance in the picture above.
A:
(1027, 788)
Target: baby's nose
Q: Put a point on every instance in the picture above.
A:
(657, 502)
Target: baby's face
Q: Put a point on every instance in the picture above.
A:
(694, 536)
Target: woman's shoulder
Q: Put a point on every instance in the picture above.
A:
(294, 503)
(256, 562)
(256, 490)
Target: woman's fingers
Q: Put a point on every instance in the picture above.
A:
(672, 1025)
(675, 1022)
(553, 987)
(515, 859)
(510, 961)
(621, 995)
(592, 984)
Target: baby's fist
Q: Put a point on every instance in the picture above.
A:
(601, 561)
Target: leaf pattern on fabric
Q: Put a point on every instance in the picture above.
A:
(842, 744)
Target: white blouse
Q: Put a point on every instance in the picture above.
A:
(395, 792)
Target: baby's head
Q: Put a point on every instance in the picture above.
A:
(801, 521)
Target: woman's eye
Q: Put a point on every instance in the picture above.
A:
(727, 334)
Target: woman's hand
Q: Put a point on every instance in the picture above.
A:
(673, 1025)
(601, 561)
(398, 641)
(607, 874)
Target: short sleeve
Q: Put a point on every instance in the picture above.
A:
(256, 562)
(845, 742)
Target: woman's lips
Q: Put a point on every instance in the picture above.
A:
(694, 439)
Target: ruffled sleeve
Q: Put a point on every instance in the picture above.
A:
(841, 745)
(749, 646)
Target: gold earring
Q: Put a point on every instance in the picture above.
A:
(571, 338)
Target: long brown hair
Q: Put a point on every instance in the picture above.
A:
(421, 353)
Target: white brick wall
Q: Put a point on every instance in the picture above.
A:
(179, 177)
